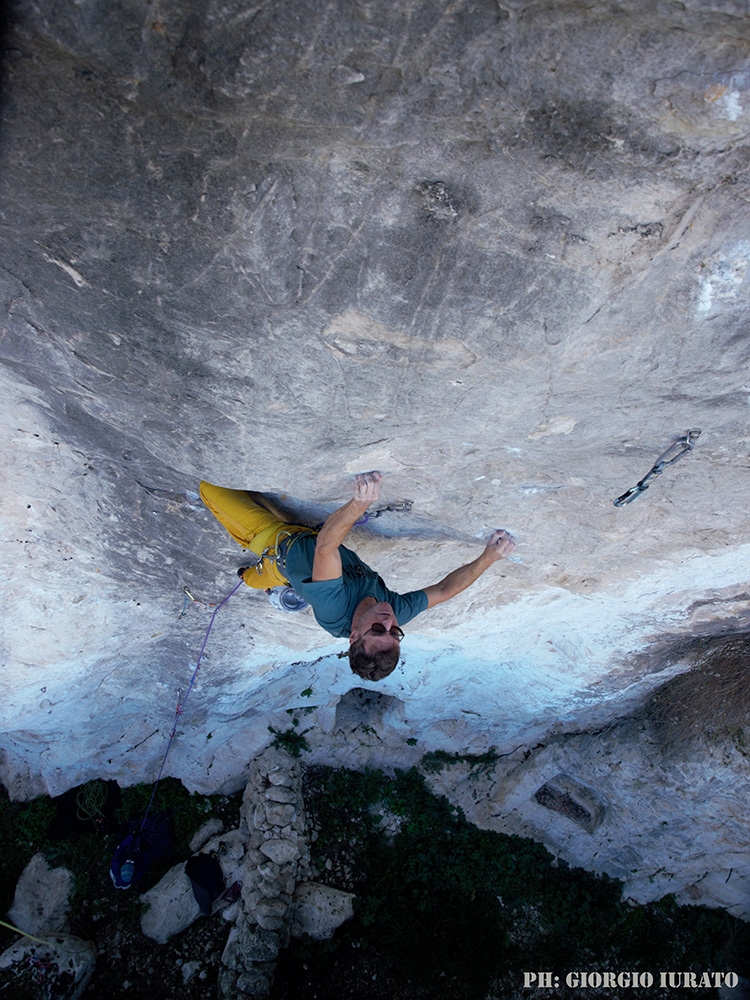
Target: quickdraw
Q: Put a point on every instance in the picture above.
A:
(402, 506)
(674, 452)
(187, 596)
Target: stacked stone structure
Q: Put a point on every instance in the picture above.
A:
(278, 857)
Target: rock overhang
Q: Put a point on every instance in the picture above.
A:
(460, 246)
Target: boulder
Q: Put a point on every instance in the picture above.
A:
(249, 943)
(171, 906)
(318, 910)
(61, 967)
(209, 829)
(41, 902)
(280, 814)
(278, 793)
(255, 982)
(280, 851)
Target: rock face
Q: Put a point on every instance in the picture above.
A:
(497, 250)
(42, 898)
(569, 797)
(171, 903)
(671, 825)
(61, 967)
(320, 909)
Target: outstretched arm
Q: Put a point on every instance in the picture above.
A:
(327, 561)
(499, 547)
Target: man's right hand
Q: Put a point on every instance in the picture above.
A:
(367, 487)
(500, 545)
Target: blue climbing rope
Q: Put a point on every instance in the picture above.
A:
(181, 704)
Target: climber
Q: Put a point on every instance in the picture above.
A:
(348, 598)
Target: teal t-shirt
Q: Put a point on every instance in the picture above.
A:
(334, 601)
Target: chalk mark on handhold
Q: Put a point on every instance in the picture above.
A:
(674, 452)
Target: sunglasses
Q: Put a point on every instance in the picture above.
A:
(380, 629)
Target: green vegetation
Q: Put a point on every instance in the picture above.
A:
(294, 713)
(448, 902)
(479, 763)
(24, 829)
(290, 740)
(461, 912)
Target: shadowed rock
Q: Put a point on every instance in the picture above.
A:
(573, 799)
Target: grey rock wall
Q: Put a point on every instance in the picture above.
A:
(497, 250)
(667, 824)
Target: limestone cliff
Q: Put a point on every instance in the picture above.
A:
(498, 251)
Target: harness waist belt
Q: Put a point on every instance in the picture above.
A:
(282, 548)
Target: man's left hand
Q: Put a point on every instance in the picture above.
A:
(500, 545)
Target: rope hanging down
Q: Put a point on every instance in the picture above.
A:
(675, 451)
(402, 505)
(181, 704)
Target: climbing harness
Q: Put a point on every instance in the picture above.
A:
(275, 553)
(132, 855)
(674, 452)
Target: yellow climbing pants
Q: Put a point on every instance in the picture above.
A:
(253, 527)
